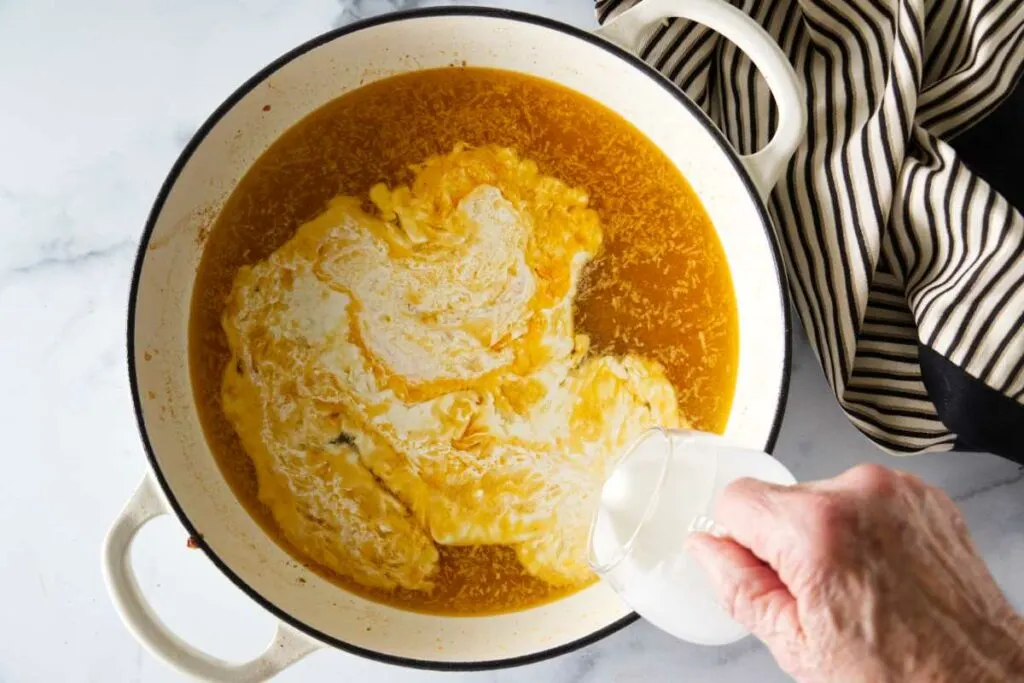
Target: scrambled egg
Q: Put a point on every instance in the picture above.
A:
(411, 375)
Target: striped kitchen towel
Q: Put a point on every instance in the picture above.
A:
(905, 266)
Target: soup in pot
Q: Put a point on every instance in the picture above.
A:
(430, 317)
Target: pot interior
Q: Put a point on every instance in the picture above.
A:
(227, 145)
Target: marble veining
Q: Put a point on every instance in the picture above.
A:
(98, 100)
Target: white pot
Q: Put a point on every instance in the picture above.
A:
(184, 479)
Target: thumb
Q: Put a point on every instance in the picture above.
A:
(749, 590)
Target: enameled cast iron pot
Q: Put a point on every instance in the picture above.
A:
(183, 478)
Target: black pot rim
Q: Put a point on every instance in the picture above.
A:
(200, 136)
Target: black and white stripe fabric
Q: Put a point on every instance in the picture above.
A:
(906, 267)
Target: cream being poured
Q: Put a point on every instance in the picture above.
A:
(423, 358)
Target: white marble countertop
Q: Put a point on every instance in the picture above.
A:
(96, 101)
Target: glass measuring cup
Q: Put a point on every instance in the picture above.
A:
(662, 488)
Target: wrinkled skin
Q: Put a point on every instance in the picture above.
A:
(870, 576)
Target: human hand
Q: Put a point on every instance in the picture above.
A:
(870, 576)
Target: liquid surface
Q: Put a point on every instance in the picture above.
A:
(410, 375)
(656, 289)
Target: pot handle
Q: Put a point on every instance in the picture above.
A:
(287, 647)
(766, 166)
